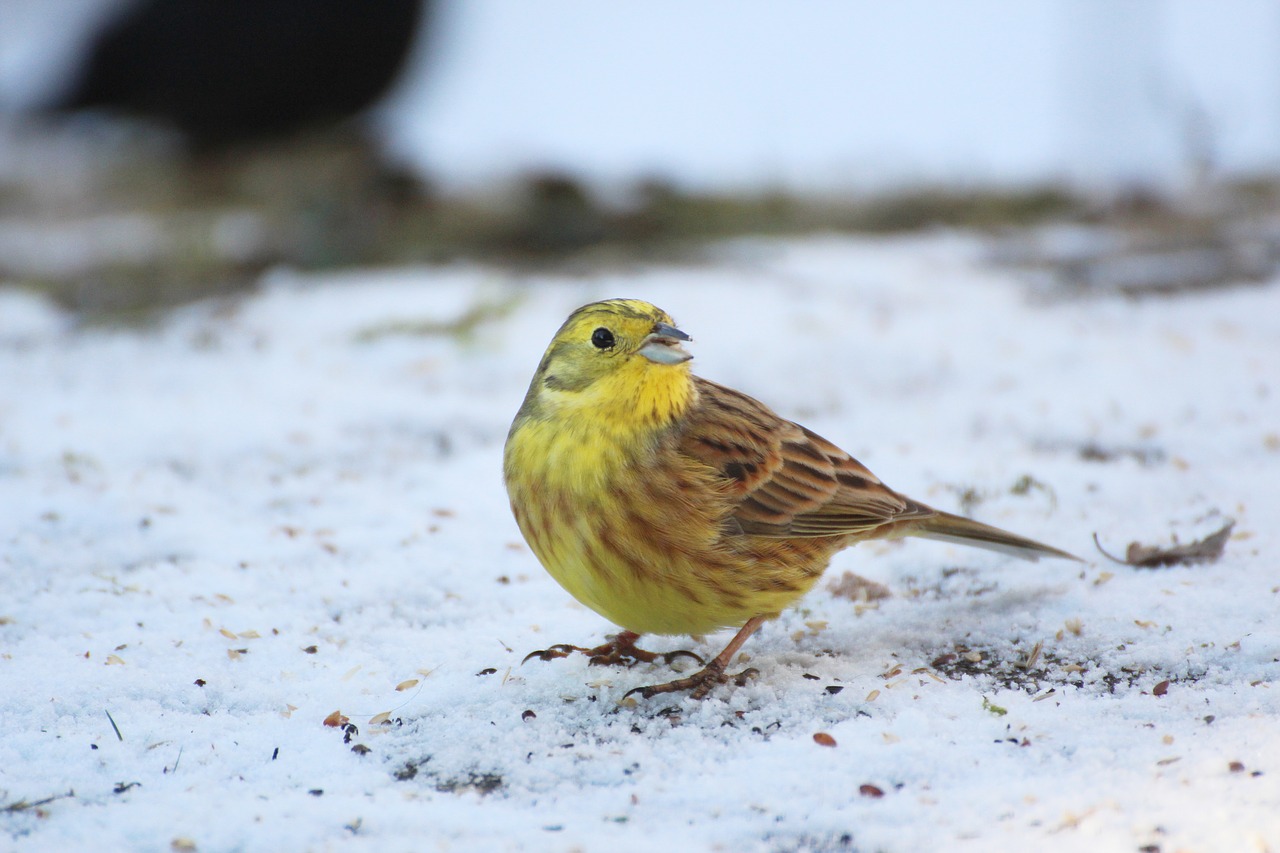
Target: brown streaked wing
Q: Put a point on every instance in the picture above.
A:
(788, 480)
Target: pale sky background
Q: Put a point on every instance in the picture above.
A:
(817, 96)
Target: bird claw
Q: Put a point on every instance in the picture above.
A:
(560, 650)
(620, 650)
(670, 657)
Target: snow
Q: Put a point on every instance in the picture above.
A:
(218, 530)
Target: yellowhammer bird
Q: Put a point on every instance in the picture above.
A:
(672, 505)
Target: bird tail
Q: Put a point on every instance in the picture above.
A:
(964, 531)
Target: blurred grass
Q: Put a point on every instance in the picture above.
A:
(212, 225)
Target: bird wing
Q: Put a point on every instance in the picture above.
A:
(787, 480)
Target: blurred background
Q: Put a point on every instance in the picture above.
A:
(157, 151)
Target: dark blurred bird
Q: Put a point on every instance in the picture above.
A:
(229, 71)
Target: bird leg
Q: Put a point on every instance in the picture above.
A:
(621, 649)
(700, 683)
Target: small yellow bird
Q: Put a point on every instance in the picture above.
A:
(669, 504)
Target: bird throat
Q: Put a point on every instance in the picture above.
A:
(642, 396)
(591, 435)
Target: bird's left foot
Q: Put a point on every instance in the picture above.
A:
(699, 684)
(621, 650)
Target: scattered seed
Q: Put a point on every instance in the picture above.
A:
(824, 739)
(869, 790)
(528, 715)
(1030, 660)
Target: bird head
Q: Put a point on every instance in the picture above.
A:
(616, 352)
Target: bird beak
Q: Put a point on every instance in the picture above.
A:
(662, 345)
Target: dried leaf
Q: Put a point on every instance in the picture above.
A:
(405, 685)
(1206, 550)
(857, 588)
(336, 720)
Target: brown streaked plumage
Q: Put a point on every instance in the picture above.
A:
(670, 504)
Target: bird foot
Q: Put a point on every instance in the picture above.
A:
(621, 650)
(699, 684)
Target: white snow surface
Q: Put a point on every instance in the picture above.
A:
(217, 531)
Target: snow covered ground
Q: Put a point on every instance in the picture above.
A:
(217, 532)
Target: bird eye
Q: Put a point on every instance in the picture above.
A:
(602, 338)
